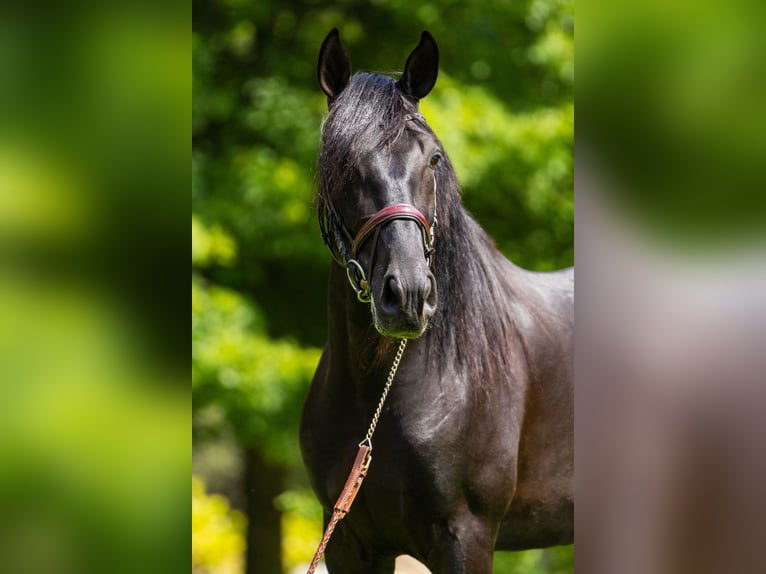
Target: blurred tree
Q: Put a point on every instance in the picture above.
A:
(250, 383)
(502, 107)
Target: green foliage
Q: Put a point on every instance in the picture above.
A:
(211, 245)
(218, 539)
(556, 560)
(258, 383)
(301, 526)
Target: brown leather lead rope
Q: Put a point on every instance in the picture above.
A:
(346, 498)
(359, 469)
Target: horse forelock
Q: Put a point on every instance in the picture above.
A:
(370, 115)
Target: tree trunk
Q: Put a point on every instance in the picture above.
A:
(263, 482)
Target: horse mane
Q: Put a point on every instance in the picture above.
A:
(473, 318)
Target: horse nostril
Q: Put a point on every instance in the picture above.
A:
(392, 296)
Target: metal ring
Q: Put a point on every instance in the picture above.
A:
(358, 280)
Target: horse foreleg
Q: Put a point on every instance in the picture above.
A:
(339, 560)
(344, 555)
(464, 546)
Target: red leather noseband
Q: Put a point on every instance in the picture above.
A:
(396, 211)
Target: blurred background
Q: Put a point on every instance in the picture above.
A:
(503, 108)
(671, 284)
(94, 403)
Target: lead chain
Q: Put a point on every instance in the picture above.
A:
(389, 382)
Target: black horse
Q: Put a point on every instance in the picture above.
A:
(474, 450)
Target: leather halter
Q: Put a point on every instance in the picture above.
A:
(330, 218)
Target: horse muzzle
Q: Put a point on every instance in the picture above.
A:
(403, 304)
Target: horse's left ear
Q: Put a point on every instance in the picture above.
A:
(421, 69)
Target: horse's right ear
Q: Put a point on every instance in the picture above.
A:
(334, 66)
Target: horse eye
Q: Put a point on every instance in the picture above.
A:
(435, 159)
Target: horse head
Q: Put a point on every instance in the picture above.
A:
(378, 172)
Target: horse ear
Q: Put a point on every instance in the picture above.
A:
(334, 66)
(421, 69)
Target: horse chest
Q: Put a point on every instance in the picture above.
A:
(421, 451)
